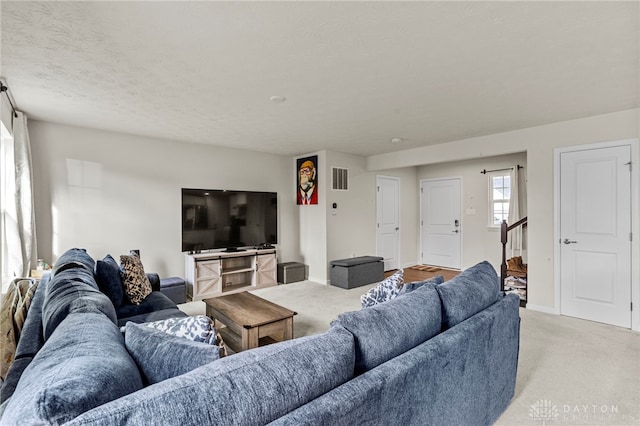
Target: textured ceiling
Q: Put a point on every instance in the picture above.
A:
(354, 74)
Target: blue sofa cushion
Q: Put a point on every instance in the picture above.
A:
(84, 364)
(386, 290)
(468, 293)
(388, 329)
(74, 258)
(161, 356)
(156, 301)
(251, 387)
(409, 287)
(109, 278)
(73, 290)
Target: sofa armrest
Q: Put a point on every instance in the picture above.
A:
(154, 279)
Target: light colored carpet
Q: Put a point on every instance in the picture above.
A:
(570, 371)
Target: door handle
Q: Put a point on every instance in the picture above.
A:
(568, 241)
(455, 232)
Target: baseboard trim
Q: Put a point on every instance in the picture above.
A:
(542, 308)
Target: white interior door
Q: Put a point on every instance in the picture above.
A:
(388, 229)
(440, 222)
(595, 235)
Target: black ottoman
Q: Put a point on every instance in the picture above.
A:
(174, 289)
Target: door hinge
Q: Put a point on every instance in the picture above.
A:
(422, 190)
(631, 306)
(630, 236)
(378, 189)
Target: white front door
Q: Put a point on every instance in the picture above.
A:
(595, 234)
(441, 230)
(388, 227)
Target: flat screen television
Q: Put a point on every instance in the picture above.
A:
(221, 219)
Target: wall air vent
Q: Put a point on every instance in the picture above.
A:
(340, 179)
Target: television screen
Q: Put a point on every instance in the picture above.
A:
(216, 219)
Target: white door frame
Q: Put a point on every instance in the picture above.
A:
(420, 247)
(635, 213)
(396, 178)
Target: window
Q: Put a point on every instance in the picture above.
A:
(7, 204)
(499, 193)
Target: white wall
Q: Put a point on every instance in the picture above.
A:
(111, 192)
(479, 242)
(538, 143)
(313, 222)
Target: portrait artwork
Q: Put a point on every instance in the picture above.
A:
(307, 190)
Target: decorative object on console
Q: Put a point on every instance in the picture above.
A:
(385, 291)
(136, 283)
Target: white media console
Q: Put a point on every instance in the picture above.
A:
(217, 273)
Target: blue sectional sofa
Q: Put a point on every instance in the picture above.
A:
(441, 354)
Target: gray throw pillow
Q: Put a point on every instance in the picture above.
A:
(161, 356)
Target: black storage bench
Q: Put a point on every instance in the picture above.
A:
(357, 271)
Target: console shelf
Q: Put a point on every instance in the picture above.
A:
(217, 273)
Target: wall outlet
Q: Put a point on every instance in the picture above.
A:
(471, 211)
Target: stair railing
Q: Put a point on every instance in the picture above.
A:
(504, 229)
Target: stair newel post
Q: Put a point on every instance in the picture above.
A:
(503, 266)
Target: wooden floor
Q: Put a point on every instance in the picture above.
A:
(423, 272)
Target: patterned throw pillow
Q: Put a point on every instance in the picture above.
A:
(198, 328)
(136, 284)
(386, 290)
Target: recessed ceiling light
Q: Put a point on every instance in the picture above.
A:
(277, 99)
(396, 140)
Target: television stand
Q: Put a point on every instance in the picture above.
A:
(214, 274)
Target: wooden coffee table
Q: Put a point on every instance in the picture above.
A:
(250, 320)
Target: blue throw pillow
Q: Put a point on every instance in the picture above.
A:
(386, 330)
(386, 290)
(161, 356)
(409, 287)
(109, 280)
(83, 365)
(471, 291)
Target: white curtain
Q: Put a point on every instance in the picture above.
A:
(18, 216)
(517, 210)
